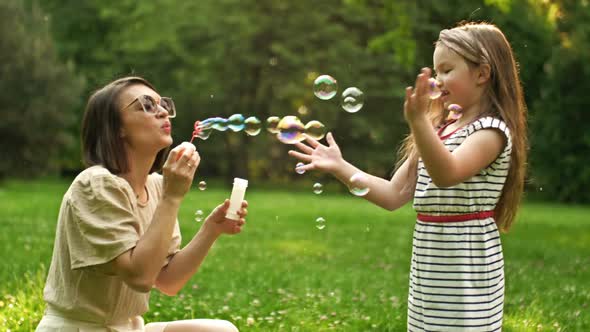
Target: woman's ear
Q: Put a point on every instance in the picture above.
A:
(484, 72)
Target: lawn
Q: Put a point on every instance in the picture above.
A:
(284, 274)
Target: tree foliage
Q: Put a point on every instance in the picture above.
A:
(38, 94)
(259, 58)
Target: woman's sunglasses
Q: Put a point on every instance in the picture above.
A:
(150, 105)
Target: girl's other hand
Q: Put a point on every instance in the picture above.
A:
(318, 156)
(417, 99)
(219, 224)
(179, 170)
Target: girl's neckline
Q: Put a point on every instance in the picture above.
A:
(441, 129)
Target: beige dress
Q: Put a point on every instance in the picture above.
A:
(99, 219)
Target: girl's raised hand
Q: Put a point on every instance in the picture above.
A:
(318, 156)
(417, 98)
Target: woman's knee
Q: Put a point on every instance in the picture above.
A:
(227, 326)
(193, 325)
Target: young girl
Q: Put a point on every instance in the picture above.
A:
(117, 233)
(465, 176)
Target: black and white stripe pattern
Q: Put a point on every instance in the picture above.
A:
(457, 269)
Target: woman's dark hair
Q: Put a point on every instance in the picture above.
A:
(101, 127)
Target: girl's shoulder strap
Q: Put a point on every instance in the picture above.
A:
(489, 122)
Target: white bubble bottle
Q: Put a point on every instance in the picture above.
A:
(237, 196)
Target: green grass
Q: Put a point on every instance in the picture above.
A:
(283, 274)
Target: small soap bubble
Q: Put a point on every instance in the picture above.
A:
(202, 185)
(236, 122)
(252, 126)
(359, 184)
(433, 89)
(272, 123)
(320, 223)
(318, 188)
(353, 100)
(298, 168)
(291, 130)
(199, 216)
(325, 87)
(455, 112)
(315, 129)
(302, 110)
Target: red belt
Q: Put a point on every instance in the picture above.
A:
(457, 217)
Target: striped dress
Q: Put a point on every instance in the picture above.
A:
(457, 268)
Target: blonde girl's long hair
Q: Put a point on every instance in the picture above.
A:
(484, 43)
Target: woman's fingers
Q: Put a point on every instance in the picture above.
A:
(194, 161)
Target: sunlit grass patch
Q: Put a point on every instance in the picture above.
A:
(283, 274)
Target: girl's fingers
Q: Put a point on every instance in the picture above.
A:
(409, 91)
(312, 142)
(303, 157)
(307, 167)
(304, 148)
(244, 203)
(422, 85)
(330, 139)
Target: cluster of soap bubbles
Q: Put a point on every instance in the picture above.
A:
(251, 125)
(199, 213)
(288, 129)
(325, 87)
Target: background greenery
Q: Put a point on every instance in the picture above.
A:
(260, 57)
(283, 274)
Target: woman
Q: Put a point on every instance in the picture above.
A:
(117, 234)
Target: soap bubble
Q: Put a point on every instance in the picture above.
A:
(433, 89)
(204, 133)
(219, 124)
(320, 223)
(353, 100)
(455, 112)
(318, 188)
(359, 184)
(199, 216)
(298, 168)
(236, 122)
(325, 87)
(252, 126)
(291, 130)
(272, 123)
(315, 129)
(202, 185)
